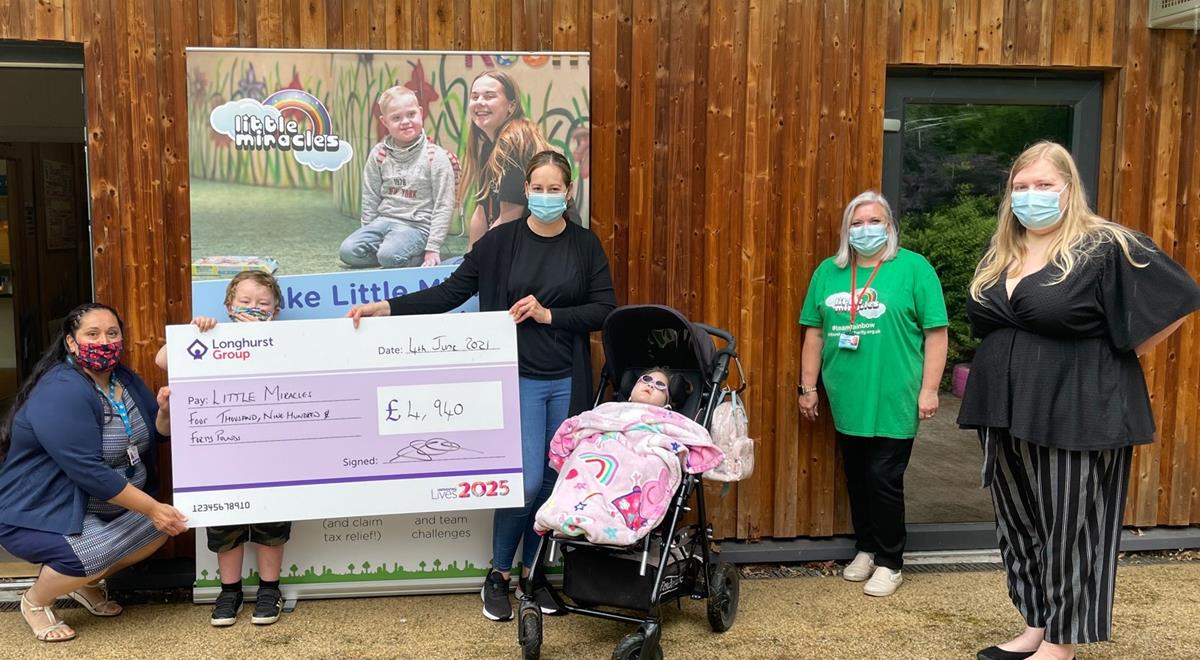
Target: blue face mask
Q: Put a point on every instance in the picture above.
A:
(868, 239)
(547, 207)
(1037, 209)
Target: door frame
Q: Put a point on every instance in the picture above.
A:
(1081, 91)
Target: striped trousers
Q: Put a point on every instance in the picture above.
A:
(1058, 522)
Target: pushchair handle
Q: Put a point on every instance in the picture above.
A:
(731, 343)
(725, 354)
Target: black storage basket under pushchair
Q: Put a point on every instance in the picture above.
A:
(631, 583)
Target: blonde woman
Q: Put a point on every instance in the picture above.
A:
(500, 143)
(1064, 302)
(875, 330)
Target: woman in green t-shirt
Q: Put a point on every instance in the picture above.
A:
(880, 353)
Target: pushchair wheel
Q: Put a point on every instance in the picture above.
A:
(529, 633)
(634, 647)
(724, 582)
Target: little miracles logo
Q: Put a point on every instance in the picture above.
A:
(275, 124)
(869, 306)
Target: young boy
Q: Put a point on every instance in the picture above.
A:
(407, 192)
(251, 296)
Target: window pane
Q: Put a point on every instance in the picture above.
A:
(954, 150)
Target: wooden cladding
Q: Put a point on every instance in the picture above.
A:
(727, 136)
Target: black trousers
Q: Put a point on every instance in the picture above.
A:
(1058, 521)
(875, 479)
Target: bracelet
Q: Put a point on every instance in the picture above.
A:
(806, 390)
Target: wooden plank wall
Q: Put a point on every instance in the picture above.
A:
(727, 136)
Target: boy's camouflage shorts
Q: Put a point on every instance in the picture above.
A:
(228, 537)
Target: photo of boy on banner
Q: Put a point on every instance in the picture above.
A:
(408, 187)
(331, 162)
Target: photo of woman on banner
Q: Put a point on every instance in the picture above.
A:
(501, 142)
(408, 184)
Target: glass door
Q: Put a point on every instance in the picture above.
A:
(10, 372)
(948, 144)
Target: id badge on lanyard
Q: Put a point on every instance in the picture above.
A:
(847, 341)
(131, 449)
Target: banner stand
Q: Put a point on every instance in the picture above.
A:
(283, 146)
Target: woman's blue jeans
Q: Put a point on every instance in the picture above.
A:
(544, 406)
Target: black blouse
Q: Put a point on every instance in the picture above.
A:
(1056, 366)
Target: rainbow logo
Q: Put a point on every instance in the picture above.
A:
(295, 100)
(868, 296)
(604, 465)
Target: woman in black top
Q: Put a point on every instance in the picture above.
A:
(552, 276)
(1064, 302)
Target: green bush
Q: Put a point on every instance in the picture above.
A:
(953, 238)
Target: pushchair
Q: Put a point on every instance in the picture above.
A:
(632, 583)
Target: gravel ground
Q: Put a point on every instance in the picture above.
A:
(934, 615)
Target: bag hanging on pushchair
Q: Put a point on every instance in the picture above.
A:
(730, 430)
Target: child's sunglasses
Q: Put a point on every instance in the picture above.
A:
(653, 382)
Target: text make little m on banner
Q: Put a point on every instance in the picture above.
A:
(298, 420)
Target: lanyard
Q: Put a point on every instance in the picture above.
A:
(854, 296)
(118, 406)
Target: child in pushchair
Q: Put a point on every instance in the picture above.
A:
(630, 577)
(619, 463)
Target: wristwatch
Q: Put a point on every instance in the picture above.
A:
(805, 390)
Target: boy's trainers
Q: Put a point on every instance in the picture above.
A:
(542, 597)
(225, 611)
(496, 605)
(267, 606)
(884, 582)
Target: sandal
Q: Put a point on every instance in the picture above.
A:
(103, 607)
(43, 633)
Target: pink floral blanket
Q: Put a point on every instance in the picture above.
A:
(618, 467)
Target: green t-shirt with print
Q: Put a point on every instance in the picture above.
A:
(873, 390)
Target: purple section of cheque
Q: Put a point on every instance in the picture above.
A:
(324, 428)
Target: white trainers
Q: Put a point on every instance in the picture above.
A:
(884, 582)
(861, 568)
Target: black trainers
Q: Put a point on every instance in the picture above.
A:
(496, 605)
(226, 609)
(542, 597)
(267, 606)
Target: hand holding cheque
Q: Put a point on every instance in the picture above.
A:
(527, 307)
(318, 419)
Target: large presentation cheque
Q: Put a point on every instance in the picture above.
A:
(293, 420)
